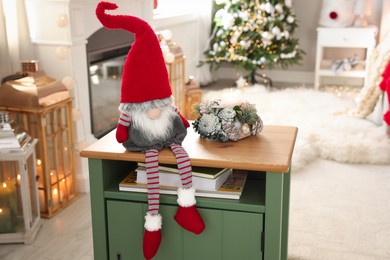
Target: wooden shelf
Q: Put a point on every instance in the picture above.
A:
(271, 150)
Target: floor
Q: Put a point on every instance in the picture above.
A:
(67, 235)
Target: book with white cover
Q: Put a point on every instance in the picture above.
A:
(173, 179)
(199, 171)
(231, 189)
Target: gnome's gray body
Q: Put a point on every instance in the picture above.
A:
(137, 141)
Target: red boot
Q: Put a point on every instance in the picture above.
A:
(152, 235)
(187, 216)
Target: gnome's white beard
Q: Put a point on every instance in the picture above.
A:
(154, 129)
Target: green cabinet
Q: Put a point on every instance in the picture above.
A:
(228, 235)
(234, 228)
(252, 227)
(125, 227)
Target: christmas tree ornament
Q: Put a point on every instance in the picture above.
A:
(279, 8)
(276, 31)
(149, 122)
(241, 82)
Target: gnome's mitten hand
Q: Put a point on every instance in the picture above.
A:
(121, 131)
(185, 121)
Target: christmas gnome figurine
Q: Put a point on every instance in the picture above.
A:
(149, 122)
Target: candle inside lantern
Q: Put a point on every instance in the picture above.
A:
(232, 98)
(54, 196)
(53, 176)
(69, 185)
(62, 190)
(39, 166)
(5, 220)
(8, 205)
(40, 173)
(7, 190)
(42, 201)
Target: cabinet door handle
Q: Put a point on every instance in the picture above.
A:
(118, 256)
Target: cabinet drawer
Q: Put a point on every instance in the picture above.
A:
(228, 235)
(346, 37)
(242, 235)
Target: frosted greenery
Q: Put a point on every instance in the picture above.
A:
(217, 121)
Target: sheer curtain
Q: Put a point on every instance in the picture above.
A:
(205, 11)
(15, 44)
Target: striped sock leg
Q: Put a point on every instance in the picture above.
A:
(153, 220)
(152, 173)
(187, 216)
(183, 165)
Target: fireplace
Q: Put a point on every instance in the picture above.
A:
(105, 61)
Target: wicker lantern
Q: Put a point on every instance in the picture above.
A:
(48, 118)
(177, 81)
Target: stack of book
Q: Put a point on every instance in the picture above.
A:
(208, 182)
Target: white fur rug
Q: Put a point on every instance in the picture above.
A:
(324, 130)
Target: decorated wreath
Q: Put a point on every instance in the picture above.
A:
(218, 121)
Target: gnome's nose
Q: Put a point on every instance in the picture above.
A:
(154, 113)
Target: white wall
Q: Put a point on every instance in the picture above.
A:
(184, 30)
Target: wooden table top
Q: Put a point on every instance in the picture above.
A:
(270, 150)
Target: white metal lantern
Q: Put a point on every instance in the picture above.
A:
(19, 204)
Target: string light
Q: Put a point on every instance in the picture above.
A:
(62, 21)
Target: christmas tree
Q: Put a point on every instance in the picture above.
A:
(253, 35)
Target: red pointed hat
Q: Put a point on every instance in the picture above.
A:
(145, 75)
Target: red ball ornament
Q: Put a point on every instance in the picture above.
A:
(333, 15)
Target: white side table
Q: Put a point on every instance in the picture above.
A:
(347, 37)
